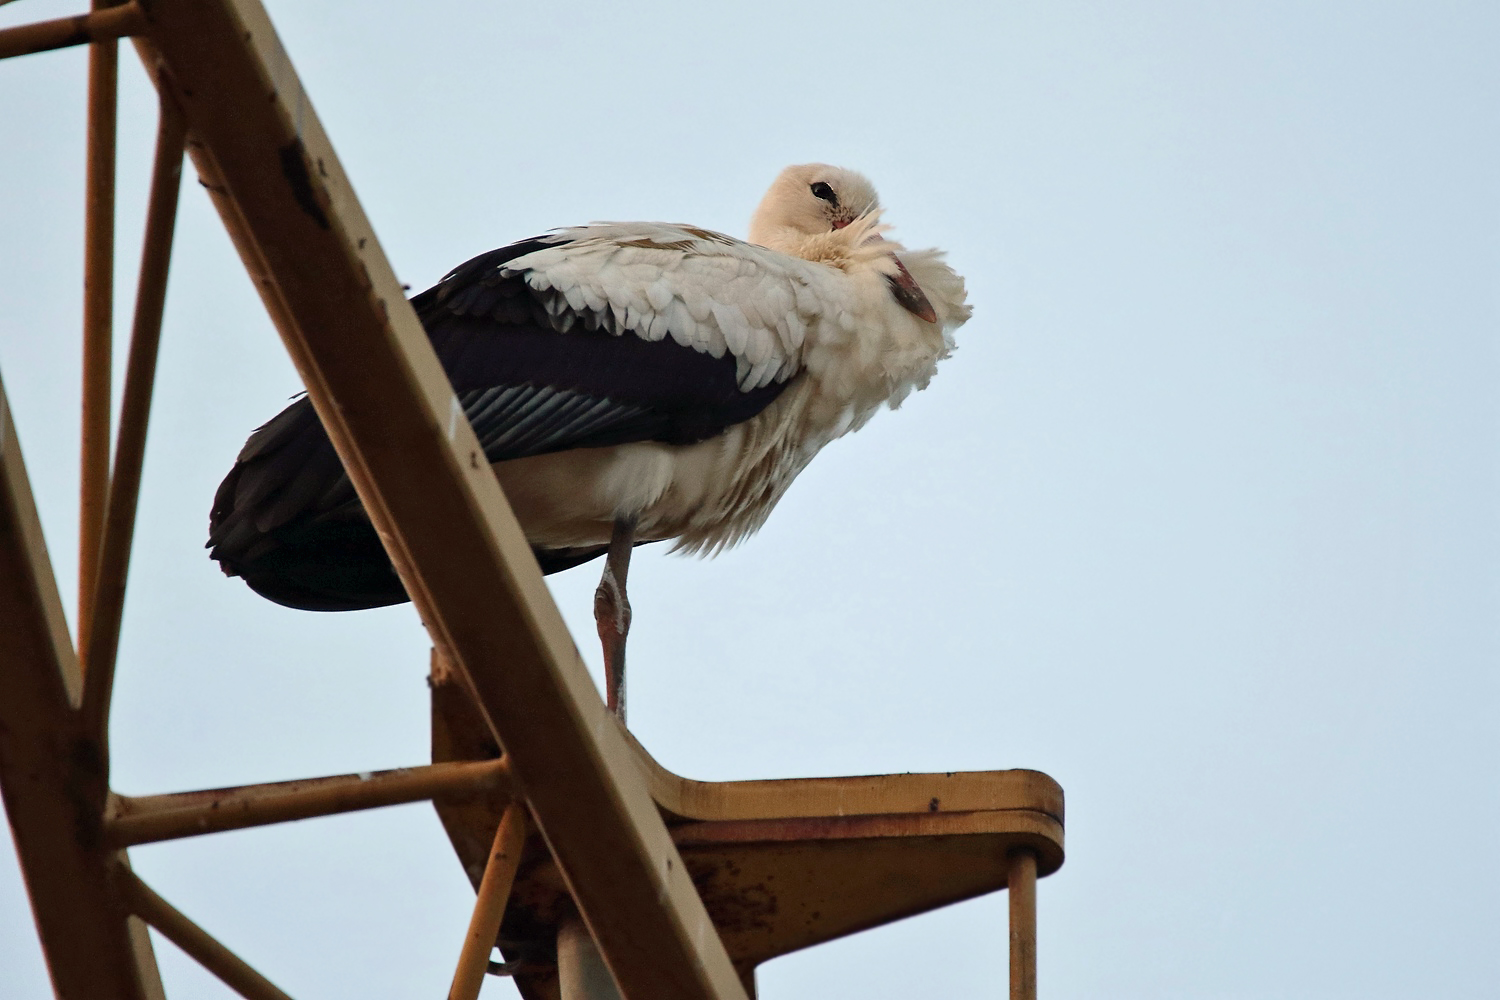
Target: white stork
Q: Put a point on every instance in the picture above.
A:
(630, 382)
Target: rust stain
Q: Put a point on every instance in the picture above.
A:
(294, 169)
(734, 907)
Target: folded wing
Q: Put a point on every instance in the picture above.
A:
(590, 337)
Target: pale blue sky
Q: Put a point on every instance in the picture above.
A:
(1201, 519)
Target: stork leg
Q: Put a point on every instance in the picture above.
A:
(612, 612)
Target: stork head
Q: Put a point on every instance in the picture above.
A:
(809, 200)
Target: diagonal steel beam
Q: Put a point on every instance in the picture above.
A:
(392, 415)
(99, 634)
(51, 772)
(98, 321)
(200, 945)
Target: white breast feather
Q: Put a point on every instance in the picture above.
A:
(781, 317)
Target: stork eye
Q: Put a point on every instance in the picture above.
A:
(823, 191)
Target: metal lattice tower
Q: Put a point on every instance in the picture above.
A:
(582, 848)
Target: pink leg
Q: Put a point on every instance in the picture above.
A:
(612, 613)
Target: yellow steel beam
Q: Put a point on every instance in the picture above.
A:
(1022, 887)
(489, 903)
(153, 818)
(99, 639)
(98, 322)
(421, 473)
(51, 769)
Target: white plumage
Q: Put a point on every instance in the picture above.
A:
(808, 306)
(630, 382)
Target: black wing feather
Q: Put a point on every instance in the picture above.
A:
(287, 519)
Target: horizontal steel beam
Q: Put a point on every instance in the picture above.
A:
(392, 415)
(100, 26)
(149, 819)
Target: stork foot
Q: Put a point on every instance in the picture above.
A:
(612, 614)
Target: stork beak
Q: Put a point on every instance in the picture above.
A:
(907, 292)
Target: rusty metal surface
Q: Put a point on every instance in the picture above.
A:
(954, 791)
(51, 772)
(685, 885)
(781, 865)
(102, 25)
(154, 818)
